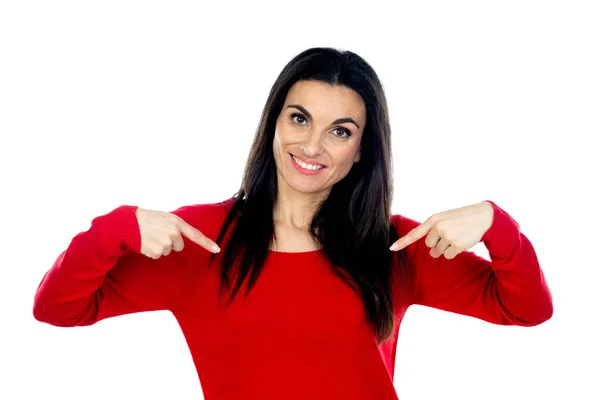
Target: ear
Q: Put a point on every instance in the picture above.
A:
(357, 157)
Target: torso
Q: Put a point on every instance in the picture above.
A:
(301, 333)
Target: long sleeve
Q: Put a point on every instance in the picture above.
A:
(102, 274)
(509, 290)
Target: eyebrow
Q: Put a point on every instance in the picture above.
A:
(337, 121)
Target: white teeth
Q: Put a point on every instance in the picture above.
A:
(305, 165)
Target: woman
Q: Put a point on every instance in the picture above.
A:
(307, 238)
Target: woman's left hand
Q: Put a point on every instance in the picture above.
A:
(451, 232)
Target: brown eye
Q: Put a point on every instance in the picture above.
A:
(299, 119)
(340, 132)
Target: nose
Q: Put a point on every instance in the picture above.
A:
(313, 146)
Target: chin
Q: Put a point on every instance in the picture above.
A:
(304, 187)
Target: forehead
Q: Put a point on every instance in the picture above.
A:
(330, 101)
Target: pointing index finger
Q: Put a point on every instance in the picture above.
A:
(198, 237)
(415, 234)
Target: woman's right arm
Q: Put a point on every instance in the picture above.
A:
(103, 272)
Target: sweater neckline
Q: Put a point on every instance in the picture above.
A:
(296, 253)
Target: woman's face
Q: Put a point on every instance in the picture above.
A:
(317, 136)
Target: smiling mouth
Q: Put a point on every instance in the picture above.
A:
(310, 167)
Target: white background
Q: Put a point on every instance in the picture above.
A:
(156, 103)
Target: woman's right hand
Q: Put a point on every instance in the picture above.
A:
(161, 232)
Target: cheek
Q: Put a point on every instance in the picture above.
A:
(278, 148)
(284, 138)
(283, 131)
(346, 156)
(276, 142)
(279, 139)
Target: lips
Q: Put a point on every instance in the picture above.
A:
(307, 161)
(304, 170)
(302, 166)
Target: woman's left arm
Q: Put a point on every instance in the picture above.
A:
(509, 290)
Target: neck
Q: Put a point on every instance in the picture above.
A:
(295, 209)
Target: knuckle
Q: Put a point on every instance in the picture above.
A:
(178, 247)
(439, 228)
(456, 243)
(173, 232)
(174, 219)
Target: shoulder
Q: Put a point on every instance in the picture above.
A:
(207, 217)
(205, 210)
(403, 224)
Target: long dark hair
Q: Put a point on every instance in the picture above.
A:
(353, 225)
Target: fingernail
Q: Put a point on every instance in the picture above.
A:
(216, 249)
(394, 247)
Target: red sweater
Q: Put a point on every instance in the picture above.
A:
(301, 334)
